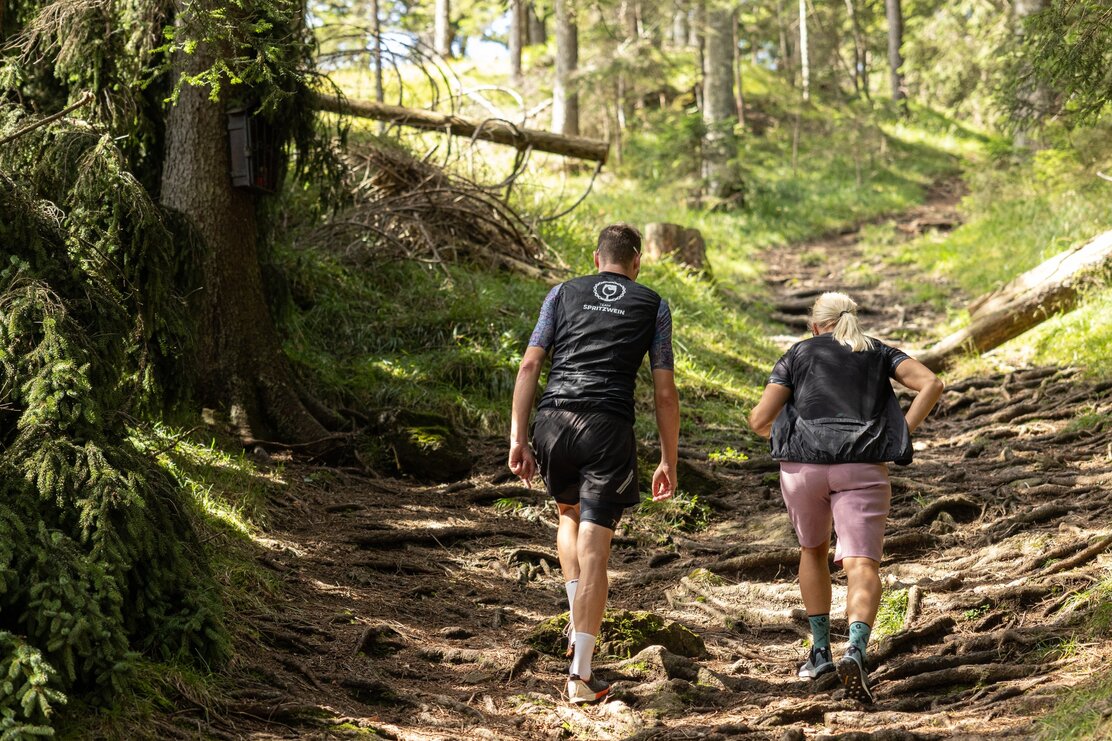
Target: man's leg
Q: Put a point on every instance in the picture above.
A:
(590, 598)
(567, 536)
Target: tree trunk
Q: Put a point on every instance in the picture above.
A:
(680, 30)
(376, 53)
(1037, 96)
(239, 360)
(895, 43)
(786, 52)
(565, 100)
(719, 106)
(740, 100)
(442, 28)
(1032, 298)
(493, 130)
(537, 33)
(517, 31)
(860, 81)
(804, 51)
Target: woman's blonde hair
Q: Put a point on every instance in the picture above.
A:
(839, 311)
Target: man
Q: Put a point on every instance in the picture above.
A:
(598, 329)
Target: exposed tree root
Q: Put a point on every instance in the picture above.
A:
(441, 536)
(903, 640)
(913, 667)
(956, 676)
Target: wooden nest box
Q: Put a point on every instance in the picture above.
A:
(254, 152)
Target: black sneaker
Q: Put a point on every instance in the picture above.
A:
(819, 662)
(591, 690)
(851, 669)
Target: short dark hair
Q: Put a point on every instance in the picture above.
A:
(619, 243)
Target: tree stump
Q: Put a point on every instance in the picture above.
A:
(687, 246)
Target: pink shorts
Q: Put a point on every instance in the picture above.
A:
(855, 496)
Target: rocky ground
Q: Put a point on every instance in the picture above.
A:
(417, 612)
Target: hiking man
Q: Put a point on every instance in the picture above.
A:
(598, 329)
(835, 423)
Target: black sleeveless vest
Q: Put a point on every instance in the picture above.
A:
(604, 325)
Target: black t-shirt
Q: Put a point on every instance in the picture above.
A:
(842, 409)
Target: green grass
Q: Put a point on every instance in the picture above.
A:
(890, 616)
(449, 341)
(1020, 211)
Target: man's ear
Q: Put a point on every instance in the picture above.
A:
(597, 263)
(636, 264)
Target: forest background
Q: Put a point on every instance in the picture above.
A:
(169, 341)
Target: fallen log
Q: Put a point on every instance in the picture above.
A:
(492, 130)
(1025, 302)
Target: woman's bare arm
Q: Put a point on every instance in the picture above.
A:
(918, 377)
(768, 408)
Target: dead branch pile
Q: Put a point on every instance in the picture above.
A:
(409, 209)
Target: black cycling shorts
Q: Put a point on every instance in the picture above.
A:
(590, 459)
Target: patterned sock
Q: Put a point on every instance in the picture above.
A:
(820, 630)
(859, 635)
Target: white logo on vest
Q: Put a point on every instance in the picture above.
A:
(609, 290)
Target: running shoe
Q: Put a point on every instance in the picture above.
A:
(819, 662)
(591, 690)
(851, 669)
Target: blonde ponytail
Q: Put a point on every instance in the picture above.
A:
(839, 312)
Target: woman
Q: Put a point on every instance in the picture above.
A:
(834, 423)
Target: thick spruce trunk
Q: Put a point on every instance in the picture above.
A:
(535, 26)
(239, 361)
(565, 100)
(719, 105)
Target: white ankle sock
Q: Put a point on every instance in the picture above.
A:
(584, 651)
(570, 587)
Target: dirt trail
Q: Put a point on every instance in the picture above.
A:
(409, 607)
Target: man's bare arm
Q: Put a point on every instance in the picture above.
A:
(521, 461)
(667, 401)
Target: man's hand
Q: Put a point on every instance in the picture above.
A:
(523, 463)
(664, 482)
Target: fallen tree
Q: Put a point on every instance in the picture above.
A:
(491, 129)
(1026, 301)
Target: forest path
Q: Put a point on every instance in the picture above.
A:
(409, 607)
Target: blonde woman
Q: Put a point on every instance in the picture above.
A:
(835, 423)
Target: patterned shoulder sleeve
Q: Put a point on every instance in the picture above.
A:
(661, 356)
(544, 334)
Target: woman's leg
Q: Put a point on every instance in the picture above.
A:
(814, 578)
(863, 575)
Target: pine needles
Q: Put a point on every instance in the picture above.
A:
(99, 562)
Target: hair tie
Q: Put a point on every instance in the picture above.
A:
(847, 311)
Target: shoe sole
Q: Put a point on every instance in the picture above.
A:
(853, 679)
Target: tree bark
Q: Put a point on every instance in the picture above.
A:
(894, 12)
(239, 361)
(442, 28)
(1032, 298)
(740, 92)
(517, 31)
(680, 31)
(565, 100)
(537, 33)
(719, 106)
(1037, 96)
(860, 79)
(500, 132)
(785, 50)
(804, 51)
(376, 54)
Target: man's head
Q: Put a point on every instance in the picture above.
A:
(619, 246)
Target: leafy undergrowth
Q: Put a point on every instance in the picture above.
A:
(1022, 210)
(448, 339)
